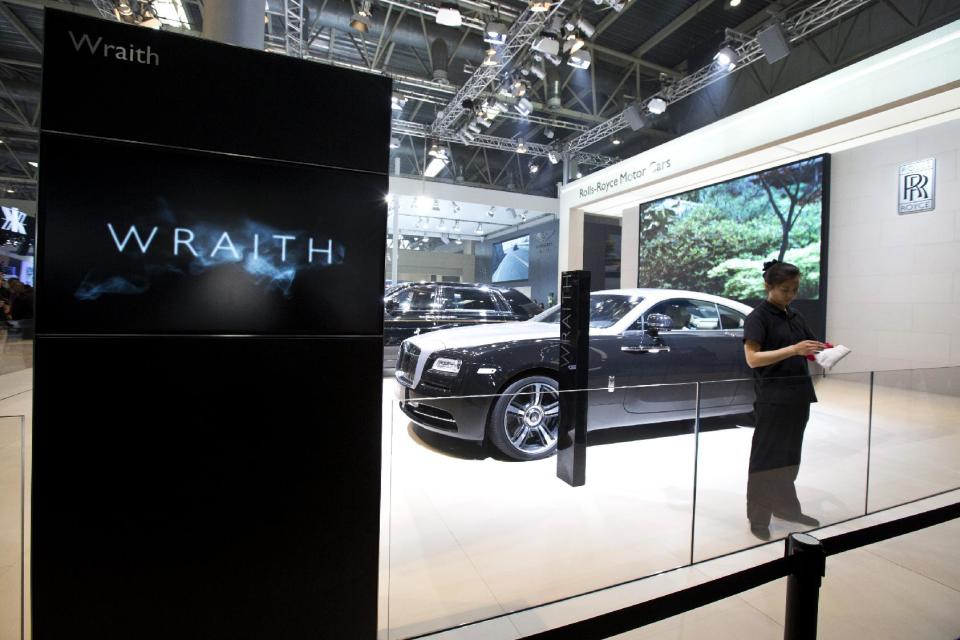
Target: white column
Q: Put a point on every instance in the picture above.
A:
(570, 249)
(238, 22)
(629, 247)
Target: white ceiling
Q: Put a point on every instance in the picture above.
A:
(436, 217)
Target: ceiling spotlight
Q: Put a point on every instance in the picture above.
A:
(734, 3)
(553, 157)
(434, 167)
(534, 167)
(456, 226)
(521, 147)
(492, 212)
(518, 88)
(490, 58)
(394, 142)
(539, 6)
(458, 240)
(573, 43)
(616, 139)
(361, 19)
(537, 69)
(437, 152)
(726, 58)
(580, 60)
(524, 107)
(436, 205)
(585, 27)
(495, 33)
(449, 15)
(579, 174)
(33, 164)
(549, 133)
(124, 8)
(657, 105)
(397, 102)
(523, 216)
(479, 229)
(547, 45)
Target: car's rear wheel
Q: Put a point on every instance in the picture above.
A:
(525, 420)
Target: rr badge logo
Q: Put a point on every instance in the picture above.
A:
(13, 220)
(917, 184)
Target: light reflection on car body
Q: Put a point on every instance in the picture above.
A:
(623, 346)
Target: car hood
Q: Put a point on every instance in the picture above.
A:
(483, 335)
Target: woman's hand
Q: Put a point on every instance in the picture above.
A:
(808, 347)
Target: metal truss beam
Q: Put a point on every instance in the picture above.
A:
(21, 28)
(418, 130)
(105, 8)
(293, 23)
(521, 34)
(798, 26)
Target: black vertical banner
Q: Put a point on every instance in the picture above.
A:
(207, 428)
(574, 364)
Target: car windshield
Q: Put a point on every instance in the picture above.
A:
(606, 309)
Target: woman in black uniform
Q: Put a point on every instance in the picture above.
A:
(776, 341)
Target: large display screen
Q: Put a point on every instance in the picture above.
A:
(715, 239)
(143, 239)
(511, 260)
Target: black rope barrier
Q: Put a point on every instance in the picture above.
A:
(803, 564)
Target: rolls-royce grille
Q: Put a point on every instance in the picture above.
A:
(407, 363)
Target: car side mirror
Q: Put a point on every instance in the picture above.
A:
(659, 322)
(390, 306)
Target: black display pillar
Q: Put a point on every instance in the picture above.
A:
(207, 421)
(574, 364)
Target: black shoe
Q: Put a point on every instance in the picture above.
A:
(799, 518)
(761, 531)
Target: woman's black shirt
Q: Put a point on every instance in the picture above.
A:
(787, 381)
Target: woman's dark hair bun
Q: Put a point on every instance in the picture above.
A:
(775, 272)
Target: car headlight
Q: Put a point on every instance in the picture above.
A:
(446, 365)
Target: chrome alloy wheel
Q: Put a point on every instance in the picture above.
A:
(532, 418)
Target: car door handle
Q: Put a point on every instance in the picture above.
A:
(645, 349)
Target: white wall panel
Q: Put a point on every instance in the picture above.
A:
(894, 281)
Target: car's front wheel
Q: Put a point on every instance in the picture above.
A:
(525, 420)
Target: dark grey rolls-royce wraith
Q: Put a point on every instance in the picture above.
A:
(500, 381)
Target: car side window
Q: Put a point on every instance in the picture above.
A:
(688, 315)
(730, 319)
(415, 299)
(469, 300)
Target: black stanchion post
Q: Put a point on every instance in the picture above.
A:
(803, 586)
(574, 356)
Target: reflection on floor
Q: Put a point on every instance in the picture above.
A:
(468, 536)
(473, 536)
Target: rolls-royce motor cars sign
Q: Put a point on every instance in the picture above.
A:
(917, 186)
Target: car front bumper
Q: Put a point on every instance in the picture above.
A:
(458, 417)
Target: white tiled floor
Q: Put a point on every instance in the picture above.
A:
(468, 536)
(473, 536)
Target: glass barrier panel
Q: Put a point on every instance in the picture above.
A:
(480, 524)
(800, 469)
(16, 351)
(915, 444)
(11, 527)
